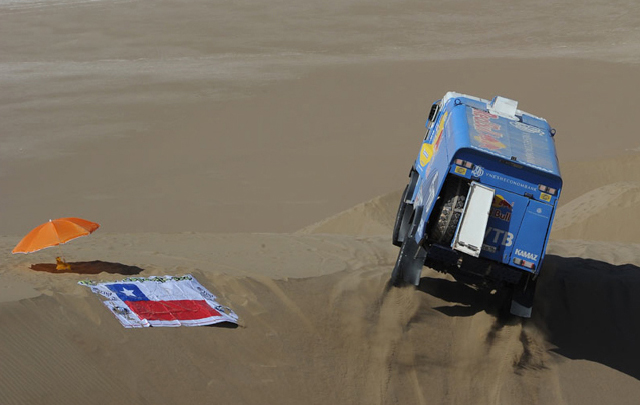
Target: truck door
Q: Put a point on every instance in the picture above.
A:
(505, 219)
(473, 224)
(528, 246)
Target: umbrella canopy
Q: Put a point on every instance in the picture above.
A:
(54, 232)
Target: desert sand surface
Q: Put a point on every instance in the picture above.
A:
(262, 148)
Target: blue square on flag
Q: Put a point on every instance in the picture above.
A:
(128, 292)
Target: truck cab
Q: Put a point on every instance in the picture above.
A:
(481, 197)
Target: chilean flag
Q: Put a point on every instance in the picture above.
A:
(163, 301)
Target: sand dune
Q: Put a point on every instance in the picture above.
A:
(316, 314)
(262, 147)
(601, 214)
(373, 217)
(336, 335)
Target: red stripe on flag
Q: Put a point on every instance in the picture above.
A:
(183, 310)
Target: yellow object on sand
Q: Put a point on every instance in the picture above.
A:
(62, 265)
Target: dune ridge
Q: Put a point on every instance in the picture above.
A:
(340, 326)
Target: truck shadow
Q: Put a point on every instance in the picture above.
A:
(465, 299)
(588, 309)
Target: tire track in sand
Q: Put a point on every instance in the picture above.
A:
(372, 319)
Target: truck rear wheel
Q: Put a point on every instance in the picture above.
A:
(523, 296)
(448, 211)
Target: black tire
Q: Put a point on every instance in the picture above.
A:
(405, 211)
(448, 211)
(411, 257)
(523, 297)
(401, 226)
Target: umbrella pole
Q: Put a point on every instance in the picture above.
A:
(61, 263)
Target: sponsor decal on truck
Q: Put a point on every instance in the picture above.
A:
(526, 255)
(501, 208)
(487, 136)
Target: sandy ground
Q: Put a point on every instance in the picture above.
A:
(262, 147)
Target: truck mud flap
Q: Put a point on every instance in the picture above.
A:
(472, 227)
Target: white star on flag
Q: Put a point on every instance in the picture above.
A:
(128, 293)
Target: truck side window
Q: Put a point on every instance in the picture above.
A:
(433, 114)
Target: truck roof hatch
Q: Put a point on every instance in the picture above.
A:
(503, 107)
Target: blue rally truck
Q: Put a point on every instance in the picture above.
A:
(481, 198)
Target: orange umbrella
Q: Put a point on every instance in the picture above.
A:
(53, 233)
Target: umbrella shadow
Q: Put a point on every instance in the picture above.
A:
(93, 267)
(223, 325)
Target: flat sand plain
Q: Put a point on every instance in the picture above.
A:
(262, 147)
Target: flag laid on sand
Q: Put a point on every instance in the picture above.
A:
(140, 302)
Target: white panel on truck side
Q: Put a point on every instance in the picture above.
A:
(473, 224)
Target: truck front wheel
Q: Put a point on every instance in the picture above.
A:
(403, 219)
(405, 211)
(411, 257)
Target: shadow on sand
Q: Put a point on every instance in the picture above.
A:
(591, 310)
(94, 267)
(587, 308)
(466, 300)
